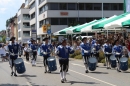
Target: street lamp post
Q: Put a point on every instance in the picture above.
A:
(102, 10)
(78, 10)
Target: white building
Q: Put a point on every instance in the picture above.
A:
(24, 29)
(61, 13)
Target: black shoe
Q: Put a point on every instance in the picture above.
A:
(12, 73)
(45, 71)
(118, 70)
(86, 71)
(62, 81)
(104, 64)
(15, 74)
(49, 71)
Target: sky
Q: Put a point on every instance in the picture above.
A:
(8, 8)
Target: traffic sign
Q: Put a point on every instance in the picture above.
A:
(49, 31)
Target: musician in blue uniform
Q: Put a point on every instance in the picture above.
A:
(96, 49)
(34, 52)
(46, 49)
(85, 51)
(117, 51)
(108, 53)
(63, 52)
(13, 51)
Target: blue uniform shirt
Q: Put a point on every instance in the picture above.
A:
(108, 48)
(97, 47)
(84, 48)
(117, 49)
(46, 48)
(33, 47)
(13, 49)
(63, 52)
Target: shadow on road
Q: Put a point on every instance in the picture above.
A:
(74, 82)
(99, 72)
(27, 76)
(126, 72)
(12, 85)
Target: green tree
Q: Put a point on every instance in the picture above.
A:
(4, 39)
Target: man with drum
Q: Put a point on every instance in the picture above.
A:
(46, 48)
(108, 53)
(63, 52)
(34, 52)
(117, 50)
(96, 49)
(13, 51)
(85, 51)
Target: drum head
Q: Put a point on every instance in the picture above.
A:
(51, 59)
(92, 60)
(18, 61)
(113, 57)
(123, 59)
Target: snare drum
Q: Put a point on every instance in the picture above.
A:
(113, 61)
(92, 63)
(124, 63)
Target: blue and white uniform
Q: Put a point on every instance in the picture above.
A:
(34, 53)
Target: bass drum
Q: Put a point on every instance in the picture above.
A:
(124, 64)
(19, 64)
(92, 63)
(113, 61)
(52, 64)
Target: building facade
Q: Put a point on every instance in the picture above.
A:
(63, 13)
(24, 29)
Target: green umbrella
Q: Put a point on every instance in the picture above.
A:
(101, 25)
(78, 29)
(126, 23)
(64, 30)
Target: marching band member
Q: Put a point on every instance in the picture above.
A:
(26, 50)
(63, 52)
(13, 50)
(85, 51)
(117, 50)
(46, 49)
(96, 49)
(34, 52)
(108, 53)
(103, 47)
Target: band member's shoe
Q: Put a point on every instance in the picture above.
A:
(86, 71)
(45, 71)
(62, 81)
(15, 74)
(118, 70)
(49, 71)
(12, 73)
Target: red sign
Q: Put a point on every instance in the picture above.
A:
(64, 13)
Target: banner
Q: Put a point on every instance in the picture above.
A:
(126, 6)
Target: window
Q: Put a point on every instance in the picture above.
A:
(89, 20)
(41, 10)
(54, 6)
(40, 1)
(120, 6)
(19, 34)
(19, 26)
(81, 6)
(82, 20)
(33, 15)
(114, 6)
(33, 26)
(72, 20)
(63, 21)
(97, 6)
(89, 6)
(71, 6)
(26, 25)
(63, 6)
(18, 18)
(106, 6)
(41, 23)
(54, 21)
(26, 16)
(26, 33)
(32, 5)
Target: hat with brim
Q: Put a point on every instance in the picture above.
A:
(12, 38)
(45, 38)
(84, 38)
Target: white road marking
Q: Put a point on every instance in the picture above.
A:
(28, 84)
(93, 78)
(77, 64)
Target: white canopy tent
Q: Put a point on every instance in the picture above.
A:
(117, 23)
(89, 28)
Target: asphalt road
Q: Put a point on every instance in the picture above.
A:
(35, 76)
